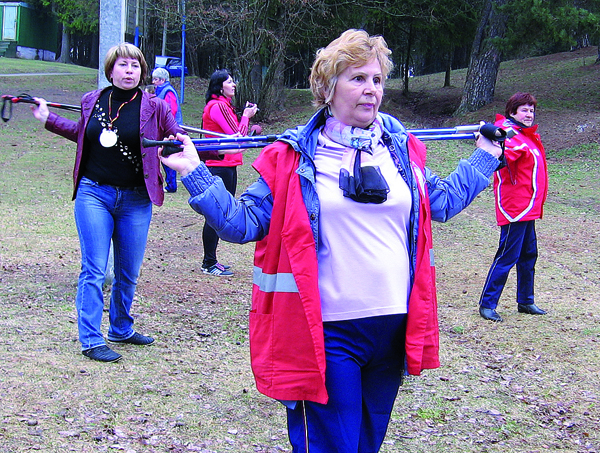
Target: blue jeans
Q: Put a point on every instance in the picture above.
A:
(102, 213)
(365, 359)
(518, 246)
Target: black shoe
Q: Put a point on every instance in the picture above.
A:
(137, 339)
(530, 309)
(489, 314)
(102, 354)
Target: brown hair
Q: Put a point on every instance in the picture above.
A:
(124, 50)
(516, 101)
(353, 48)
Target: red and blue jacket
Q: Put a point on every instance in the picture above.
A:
(281, 212)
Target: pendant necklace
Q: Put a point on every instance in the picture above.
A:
(108, 138)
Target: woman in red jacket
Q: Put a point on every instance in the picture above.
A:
(343, 298)
(219, 116)
(520, 189)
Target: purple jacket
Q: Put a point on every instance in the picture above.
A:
(156, 123)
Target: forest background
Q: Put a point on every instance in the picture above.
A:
(269, 45)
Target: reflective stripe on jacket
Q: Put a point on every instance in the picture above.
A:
(281, 211)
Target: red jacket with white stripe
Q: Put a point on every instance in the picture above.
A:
(281, 211)
(521, 187)
(286, 329)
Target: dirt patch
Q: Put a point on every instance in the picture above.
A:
(525, 385)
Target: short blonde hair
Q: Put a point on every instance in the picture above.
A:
(353, 48)
(125, 50)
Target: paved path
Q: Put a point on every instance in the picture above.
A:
(42, 74)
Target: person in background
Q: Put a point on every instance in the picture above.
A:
(116, 182)
(520, 190)
(343, 300)
(164, 90)
(219, 116)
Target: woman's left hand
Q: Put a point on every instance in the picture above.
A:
(186, 160)
(40, 110)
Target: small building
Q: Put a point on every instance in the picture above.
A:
(27, 32)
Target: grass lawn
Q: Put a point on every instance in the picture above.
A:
(529, 384)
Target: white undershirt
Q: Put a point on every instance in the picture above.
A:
(363, 247)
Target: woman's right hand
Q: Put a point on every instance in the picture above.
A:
(184, 161)
(250, 110)
(40, 110)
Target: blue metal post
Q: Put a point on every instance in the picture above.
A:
(136, 37)
(182, 89)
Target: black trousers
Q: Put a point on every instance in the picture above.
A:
(210, 239)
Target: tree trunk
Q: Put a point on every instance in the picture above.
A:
(448, 69)
(94, 50)
(406, 72)
(254, 48)
(485, 59)
(163, 49)
(65, 47)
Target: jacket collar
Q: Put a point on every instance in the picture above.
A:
(520, 127)
(146, 110)
(222, 98)
(305, 137)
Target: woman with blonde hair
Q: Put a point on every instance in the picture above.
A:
(116, 181)
(343, 299)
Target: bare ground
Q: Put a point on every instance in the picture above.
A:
(527, 385)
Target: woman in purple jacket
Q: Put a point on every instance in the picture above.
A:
(116, 181)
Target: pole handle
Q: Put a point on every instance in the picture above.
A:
(169, 146)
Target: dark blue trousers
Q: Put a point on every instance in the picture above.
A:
(518, 245)
(365, 360)
(170, 179)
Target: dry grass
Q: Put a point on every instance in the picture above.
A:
(529, 384)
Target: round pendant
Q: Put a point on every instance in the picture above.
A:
(108, 138)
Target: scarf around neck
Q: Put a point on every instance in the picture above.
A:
(360, 179)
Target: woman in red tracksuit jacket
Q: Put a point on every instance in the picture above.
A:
(219, 116)
(520, 190)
